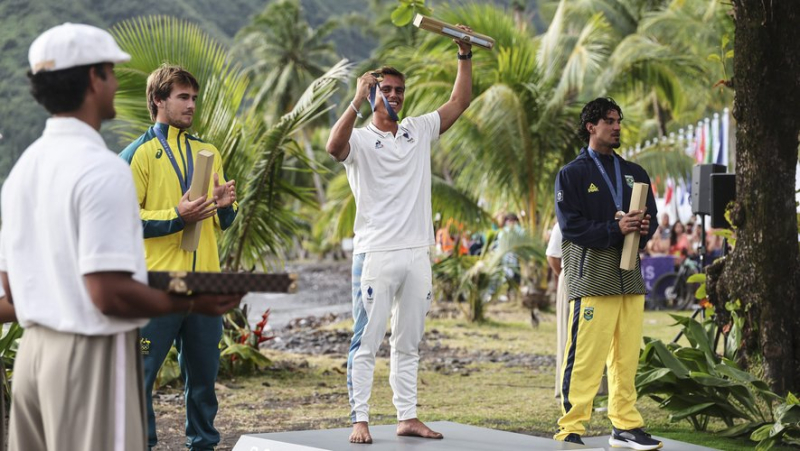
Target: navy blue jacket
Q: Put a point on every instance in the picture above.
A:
(592, 241)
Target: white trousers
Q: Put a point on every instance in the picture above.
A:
(397, 284)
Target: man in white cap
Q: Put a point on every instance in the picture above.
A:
(72, 261)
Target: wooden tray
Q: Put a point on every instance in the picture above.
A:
(183, 282)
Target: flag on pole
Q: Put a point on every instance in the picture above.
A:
(699, 144)
(724, 125)
(708, 152)
(716, 147)
(684, 192)
(668, 194)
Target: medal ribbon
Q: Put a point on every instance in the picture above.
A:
(372, 93)
(616, 194)
(163, 140)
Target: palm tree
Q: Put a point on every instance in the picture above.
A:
(284, 54)
(519, 129)
(255, 153)
(477, 278)
(263, 212)
(508, 144)
(663, 78)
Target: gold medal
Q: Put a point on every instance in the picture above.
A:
(618, 215)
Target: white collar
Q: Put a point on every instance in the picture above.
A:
(400, 130)
(73, 126)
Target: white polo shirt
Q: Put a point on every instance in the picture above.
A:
(69, 208)
(390, 177)
(554, 245)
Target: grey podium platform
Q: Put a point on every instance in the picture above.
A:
(458, 437)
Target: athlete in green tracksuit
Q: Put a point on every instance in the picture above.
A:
(162, 161)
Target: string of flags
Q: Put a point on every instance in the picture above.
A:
(707, 142)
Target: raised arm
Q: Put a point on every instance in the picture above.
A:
(339, 140)
(462, 88)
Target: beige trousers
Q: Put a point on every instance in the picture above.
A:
(77, 392)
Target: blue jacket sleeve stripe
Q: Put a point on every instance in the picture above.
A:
(226, 216)
(156, 228)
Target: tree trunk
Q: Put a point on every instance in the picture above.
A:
(764, 269)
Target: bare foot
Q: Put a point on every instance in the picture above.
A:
(416, 428)
(360, 433)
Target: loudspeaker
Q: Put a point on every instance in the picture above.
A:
(723, 191)
(701, 187)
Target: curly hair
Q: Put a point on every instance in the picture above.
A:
(594, 111)
(62, 91)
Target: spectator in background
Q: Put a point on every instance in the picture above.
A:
(660, 242)
(476, 243)
(452, 238)
(678, 243)
(511, 266)
(694, 238)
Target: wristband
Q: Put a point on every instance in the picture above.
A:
(358, 113)
(468, 56)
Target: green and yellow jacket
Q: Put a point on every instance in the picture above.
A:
(160, 183)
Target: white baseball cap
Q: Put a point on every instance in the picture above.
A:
(72, 45)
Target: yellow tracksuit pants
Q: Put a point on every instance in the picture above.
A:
(602, 331)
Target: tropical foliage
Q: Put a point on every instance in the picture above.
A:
(476, 280)
(284, 55)
(256, 154)
(9, 343)
(696, 384)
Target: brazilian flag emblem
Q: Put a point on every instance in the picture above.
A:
(588, 313)
(629, 180)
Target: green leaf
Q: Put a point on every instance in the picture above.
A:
(766, 444)
(709, 380)
(679, 415)
(654, 375)
(739, 429)
(701, 292)
(403, 15)
(724, 233)
(788, 413)
(670, 361)
(729, 54)
(714, 57)
(697, 278)
(761, 433)
(694, 359)
(246, 353)
(728, 368)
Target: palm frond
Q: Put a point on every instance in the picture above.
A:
(336, 219)
(244, 243)
(451, 202)
(154, 40)
(664, 160)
